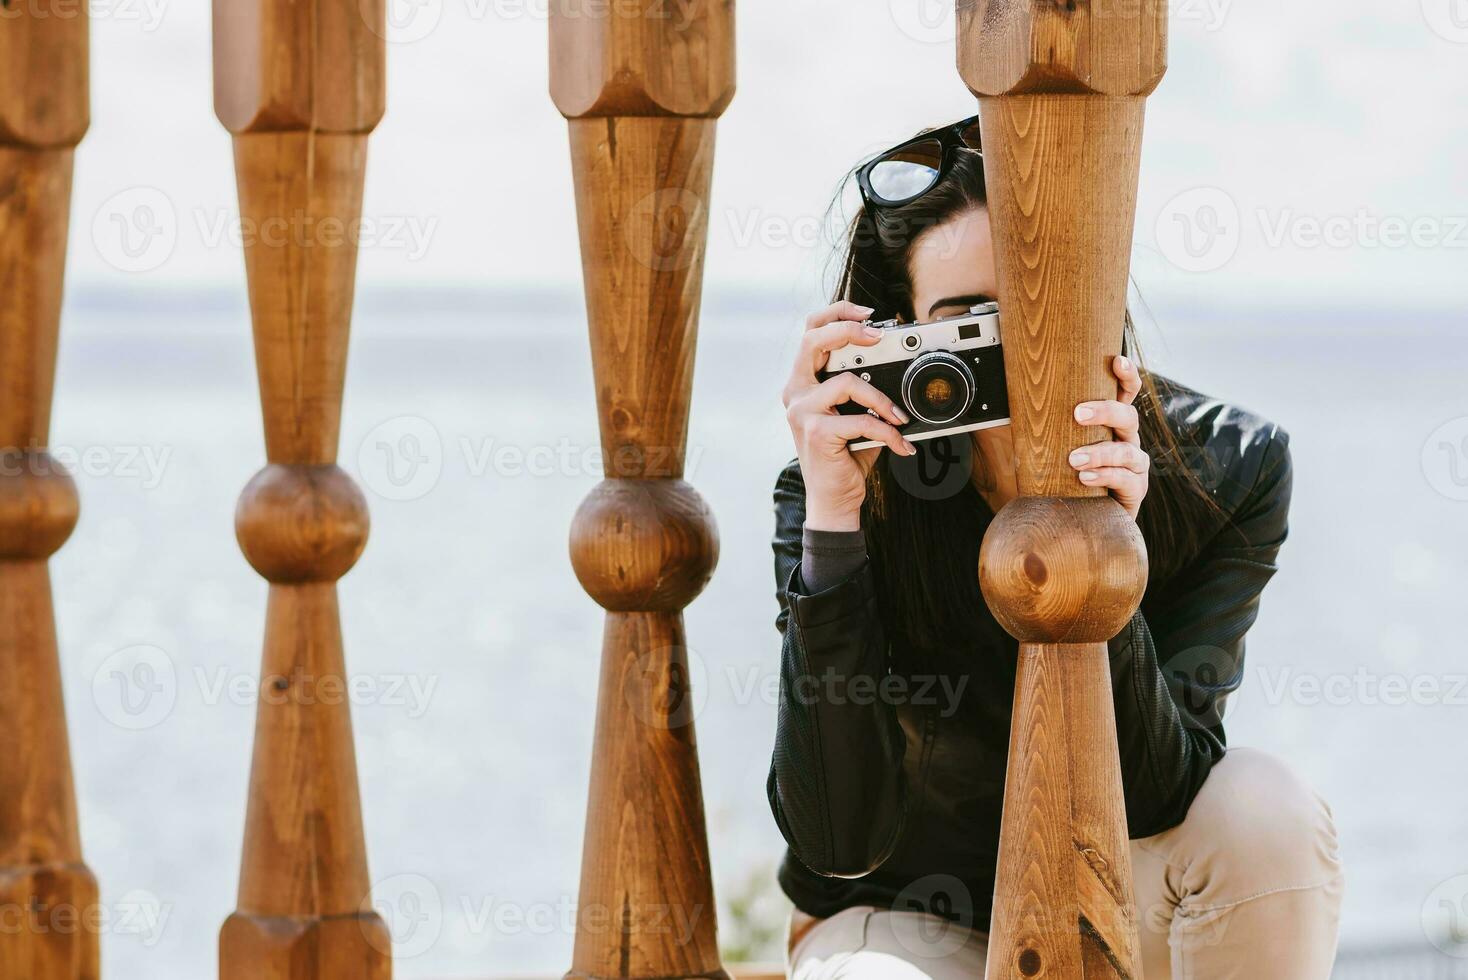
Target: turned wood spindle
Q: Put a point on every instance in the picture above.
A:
(45, 887)
(642, 94)
(300, 85)
(1061, 92)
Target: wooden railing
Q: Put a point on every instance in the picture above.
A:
(642, 95)
(300, 84)
(43, 115)
(1061, 90)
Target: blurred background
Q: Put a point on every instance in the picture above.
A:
(1301, 239)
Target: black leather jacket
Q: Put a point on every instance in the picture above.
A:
(894, 800)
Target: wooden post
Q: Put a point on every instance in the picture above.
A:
(1061, 92)
(46, 893)
(642, 86)
(300, 85)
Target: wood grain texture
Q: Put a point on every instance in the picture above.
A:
(300, 65)
(44, 100)
(1063, 569)
(293, 186)
(1063, 895)
(646, 903)
(642, 186)
(1061, 94)
(1078, 47)
(47, 893)
(1062, 178)
(44, 883)
(644, 545)
(641, 95)
(300, 84)
(644, 58)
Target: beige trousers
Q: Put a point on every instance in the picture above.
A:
(1248, 887)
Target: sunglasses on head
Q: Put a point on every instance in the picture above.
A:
(912, 168)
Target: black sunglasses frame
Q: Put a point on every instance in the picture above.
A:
(950, 138)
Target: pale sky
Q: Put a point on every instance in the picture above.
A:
(1294, 154)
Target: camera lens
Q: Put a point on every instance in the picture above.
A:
(937, 388)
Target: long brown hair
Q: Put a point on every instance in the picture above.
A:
(925, 551)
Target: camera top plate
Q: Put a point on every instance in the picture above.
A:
(979, 327)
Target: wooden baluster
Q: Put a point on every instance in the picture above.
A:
(642, 92)
(43, 883)
(300, 84)
(1061, 92)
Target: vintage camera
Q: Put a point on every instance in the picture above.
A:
(948, 375)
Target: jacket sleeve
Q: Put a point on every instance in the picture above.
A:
(836, 783)
(1174, 667)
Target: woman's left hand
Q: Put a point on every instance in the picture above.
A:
(1120, 465)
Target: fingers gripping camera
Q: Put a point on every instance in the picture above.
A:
(948, 375)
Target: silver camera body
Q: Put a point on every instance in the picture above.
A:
(947, 375)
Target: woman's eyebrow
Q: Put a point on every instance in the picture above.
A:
(972, 300)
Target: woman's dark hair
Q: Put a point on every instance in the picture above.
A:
(925, 552)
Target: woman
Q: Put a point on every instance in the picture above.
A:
(890, 801)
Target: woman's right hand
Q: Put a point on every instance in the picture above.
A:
(835, 477)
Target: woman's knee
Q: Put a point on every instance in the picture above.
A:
(1254, 808)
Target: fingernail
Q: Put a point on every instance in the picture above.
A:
(901, 415)
(872, 332)
(911, 449)
(1089, 476)
(868, 309)
(1084, 413)
(1079, 459)
(1123, 363)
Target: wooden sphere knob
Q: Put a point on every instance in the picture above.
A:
(38, 505)
(644, 545)
(298, 523)
(1063, 569)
